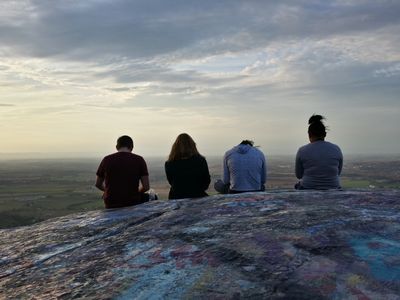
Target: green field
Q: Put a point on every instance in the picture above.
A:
(35, 190)
(348, 183)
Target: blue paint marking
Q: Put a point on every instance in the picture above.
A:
(321, 227)
(382, 256)
(157, 280)
(196, 229)
(161, 280)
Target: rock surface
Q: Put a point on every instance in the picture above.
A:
(274, 245)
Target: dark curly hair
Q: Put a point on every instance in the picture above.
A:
(316, 127)
(247, 142)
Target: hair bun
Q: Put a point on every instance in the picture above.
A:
(316, 119)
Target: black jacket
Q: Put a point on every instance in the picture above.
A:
(189, 178)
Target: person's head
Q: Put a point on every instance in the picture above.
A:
(124, 142)
(247, 142)
(316, 128)
(183, 147)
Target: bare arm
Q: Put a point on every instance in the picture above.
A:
(100, 183)
(145, 184)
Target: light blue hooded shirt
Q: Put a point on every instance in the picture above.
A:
(245, 168)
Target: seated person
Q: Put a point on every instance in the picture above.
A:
(119, 174)
(319, 163)
(245, 170)
(186, 170)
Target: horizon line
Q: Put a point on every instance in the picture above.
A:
(82, 155)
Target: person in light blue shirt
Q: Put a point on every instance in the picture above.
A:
(245, 170)
(319, 163)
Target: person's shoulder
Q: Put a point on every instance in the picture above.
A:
(332, 145)
(110, 156)
(200, 158)
(257, 150)
(230, 152)
(136, 157)
(169, 163)
(126, 156)
(304, 147)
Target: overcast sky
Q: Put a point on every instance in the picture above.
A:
(75, 75)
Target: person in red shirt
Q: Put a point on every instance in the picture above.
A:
(119, 175)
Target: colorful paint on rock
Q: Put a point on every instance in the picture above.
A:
(275, 245)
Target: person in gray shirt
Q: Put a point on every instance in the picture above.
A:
(245, 170)
(319, 163)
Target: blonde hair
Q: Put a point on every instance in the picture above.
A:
(183, 147)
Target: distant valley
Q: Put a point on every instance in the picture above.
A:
(35, 190)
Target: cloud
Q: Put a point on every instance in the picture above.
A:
(144, 29)
(6, 105)
(242, 60)
(390, 71)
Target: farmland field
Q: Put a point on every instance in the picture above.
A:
(35, 190)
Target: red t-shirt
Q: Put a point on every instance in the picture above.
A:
(121, 172)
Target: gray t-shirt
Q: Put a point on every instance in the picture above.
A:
(245, 168)
(319, 165)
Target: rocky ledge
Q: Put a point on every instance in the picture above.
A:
(274, 245)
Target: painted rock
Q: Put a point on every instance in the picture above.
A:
(274, 245)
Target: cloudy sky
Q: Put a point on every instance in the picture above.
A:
(75, 75)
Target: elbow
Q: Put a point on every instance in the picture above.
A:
(145, 188)
(206, 183)
(299, 172)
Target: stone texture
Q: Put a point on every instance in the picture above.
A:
(274, 245)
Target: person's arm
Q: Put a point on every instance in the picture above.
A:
(226, 176)
(145, 184)
(340, 163)
(263, 169)
(101, 176)
(168, 172)
(100, 183)
(144, 177)
(299, 170)
(206, 178)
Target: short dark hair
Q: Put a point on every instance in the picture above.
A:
(125, 141)
(247, 142)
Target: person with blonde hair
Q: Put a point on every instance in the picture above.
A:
(186, 170)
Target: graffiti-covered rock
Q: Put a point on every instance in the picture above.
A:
(275, 245)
